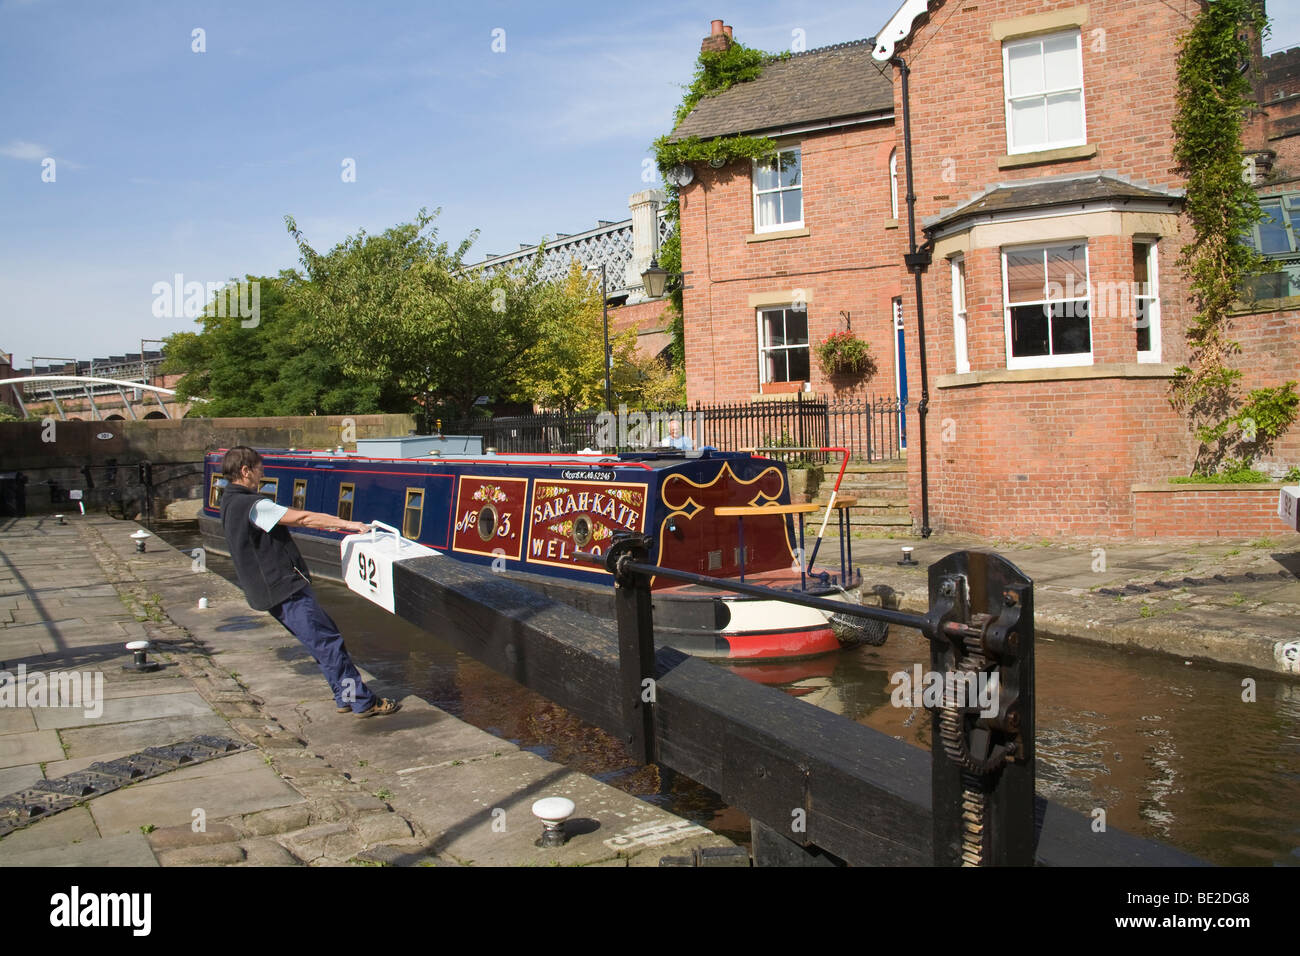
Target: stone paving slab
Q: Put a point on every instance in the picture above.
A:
(159, 682)
(72, 632)
(417, 735)
(61, 768)
(36, 747)
(238, 762)
(123, 710)
(131, 849)
(20, 647)
(15, 720)
(13, 779)
(166, 802)
(68, 827)
(136, 735)
(490, 820)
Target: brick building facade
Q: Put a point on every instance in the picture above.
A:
(1054, 310)
(779, 258)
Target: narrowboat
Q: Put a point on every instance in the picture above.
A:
(529, 515)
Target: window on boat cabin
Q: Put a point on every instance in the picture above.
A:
(215, 490)
(1043, 83)
(347, 491)
(1047, 311)
(268, 487)
(1146, 301)
(778, 191)
(582, 530)
(783, 345)
(299, 494)
(487, 522)
(413, 514)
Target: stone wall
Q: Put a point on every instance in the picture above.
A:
(1280, 97)
(58, 451)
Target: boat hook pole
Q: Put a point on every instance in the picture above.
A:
(844, 463)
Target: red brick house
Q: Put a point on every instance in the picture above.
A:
(783, 253)
(1054, 312)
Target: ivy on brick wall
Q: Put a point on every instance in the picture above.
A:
(1214, 98)
(715, 72)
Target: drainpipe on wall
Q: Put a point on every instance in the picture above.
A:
(917, 259)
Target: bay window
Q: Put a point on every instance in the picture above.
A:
(1146, 301)
(959, 314)
(1047, 307)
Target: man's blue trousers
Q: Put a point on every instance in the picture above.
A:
(306, 620)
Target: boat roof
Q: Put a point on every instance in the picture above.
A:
(649, 459)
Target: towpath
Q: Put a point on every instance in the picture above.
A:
(1232, 603)
(307, 786)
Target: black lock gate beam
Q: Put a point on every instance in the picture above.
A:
(980, 626)
(853, 792)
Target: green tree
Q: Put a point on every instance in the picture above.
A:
(402, 309)
(273, 367)
(565, 370)
(650, 383)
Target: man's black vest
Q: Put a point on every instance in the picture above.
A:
(269, 567)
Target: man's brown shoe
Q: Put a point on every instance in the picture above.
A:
(381, 708)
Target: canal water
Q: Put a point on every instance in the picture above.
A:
(1169, 751)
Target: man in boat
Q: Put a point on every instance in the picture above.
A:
(274, 576)
(675, 437)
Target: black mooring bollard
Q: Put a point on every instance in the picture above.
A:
(981, 629)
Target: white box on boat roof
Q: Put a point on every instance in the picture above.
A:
(420, 446)
(368, 560)
(1288, 507)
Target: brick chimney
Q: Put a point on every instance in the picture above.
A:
(719, 40)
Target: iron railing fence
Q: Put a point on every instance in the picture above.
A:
(871, 428)
(868, 427)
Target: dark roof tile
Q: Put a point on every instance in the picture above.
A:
(1054, 191)
(828, 83)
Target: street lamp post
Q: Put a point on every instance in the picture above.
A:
(655, 280)
(604, 308)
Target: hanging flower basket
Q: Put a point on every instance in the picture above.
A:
(843, 353)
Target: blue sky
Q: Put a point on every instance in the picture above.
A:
(172, 161)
